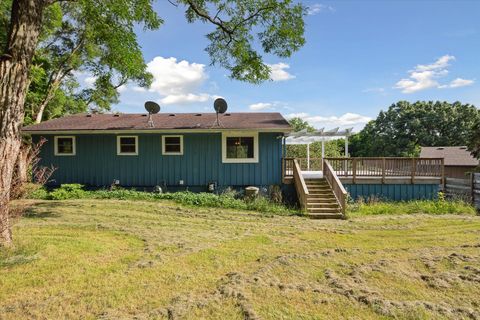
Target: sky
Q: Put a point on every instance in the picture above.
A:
(359, 58)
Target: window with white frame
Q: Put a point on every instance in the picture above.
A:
(240, 147)
(127, 145)
(64, 145)
(172, 145)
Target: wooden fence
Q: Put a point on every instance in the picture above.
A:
(464, 189)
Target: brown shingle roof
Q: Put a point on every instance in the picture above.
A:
(454, 156)
(164, 121)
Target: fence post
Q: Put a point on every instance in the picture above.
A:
(472, 187)
(443, 172)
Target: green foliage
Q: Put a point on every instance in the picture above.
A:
(228, 199)
(277, 24)
(404, 127)
(441, 206)
(98, 38)
(474, 140)
(298, 124)
(68, 191)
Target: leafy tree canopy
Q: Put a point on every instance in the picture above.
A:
(97, 38)
(405, 127)
(474, 140)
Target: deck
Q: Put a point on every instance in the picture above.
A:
(321, 186)
(372, 170)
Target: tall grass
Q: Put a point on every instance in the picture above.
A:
(436, 207)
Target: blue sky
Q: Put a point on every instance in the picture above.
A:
(360, 57)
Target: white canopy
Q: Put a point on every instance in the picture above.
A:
(305, 137)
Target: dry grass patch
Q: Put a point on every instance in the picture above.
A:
(105, 259)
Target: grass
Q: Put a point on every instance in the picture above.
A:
(410, 207)
(111, 259)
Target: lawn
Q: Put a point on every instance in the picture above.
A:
(111, 259)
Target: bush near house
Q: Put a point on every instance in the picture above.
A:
(229, 199)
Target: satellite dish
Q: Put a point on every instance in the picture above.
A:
(220, 105)
(152, 107)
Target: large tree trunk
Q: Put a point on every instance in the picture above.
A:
(25, 25)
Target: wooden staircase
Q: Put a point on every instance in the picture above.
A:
(320, 198)
(321, 201)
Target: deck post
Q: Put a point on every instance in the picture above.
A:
(308, 156)
(354, 170)
(323, 151)
(384, 161)
(414, 167)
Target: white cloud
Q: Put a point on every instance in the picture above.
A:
(374, 90)
(139, 89)
(185, 98)
(177, 82)
(426, 76)
(346, 120)
(459, 82)
(122, 88)
(318, 8)
(261, 106)
(296, 115)
(90, 81)
(278, 72)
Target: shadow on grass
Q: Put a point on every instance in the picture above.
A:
(33, 212)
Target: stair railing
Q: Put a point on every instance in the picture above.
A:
(335, 184)
(300, 185)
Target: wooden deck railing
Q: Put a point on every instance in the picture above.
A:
(388, 167)
(335, 184)
(287, 168)
(300, 185)
(315, 164)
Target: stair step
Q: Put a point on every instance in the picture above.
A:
(325, 215)
(322, 205)
(321, 196)
(324, 210)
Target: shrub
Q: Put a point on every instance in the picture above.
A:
(229, 199)
(68, 191)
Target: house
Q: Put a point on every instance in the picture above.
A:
(458, 161)
(175, 151)
(200, 152)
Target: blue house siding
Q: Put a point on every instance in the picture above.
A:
(96, 162)
(395, 192)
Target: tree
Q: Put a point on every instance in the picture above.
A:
(241, 29)
(298, 124)
(474, 140)
(405, 127)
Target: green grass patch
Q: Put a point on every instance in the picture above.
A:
(122, 259)
(436, 207)
(228, 200)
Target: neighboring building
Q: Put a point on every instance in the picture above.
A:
(179, 151)
(458, 160)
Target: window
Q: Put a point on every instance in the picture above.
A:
(240, 148)
(172, 145)
(127, 145)
(64, 145)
